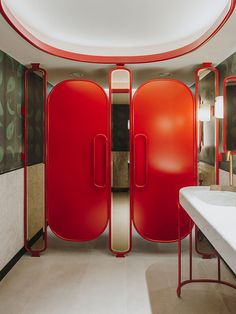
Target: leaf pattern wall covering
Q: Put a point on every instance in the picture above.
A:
(11, 121)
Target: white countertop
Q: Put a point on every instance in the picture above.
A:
(214, 212)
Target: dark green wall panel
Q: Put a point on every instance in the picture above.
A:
(35, 120)
(11, 121)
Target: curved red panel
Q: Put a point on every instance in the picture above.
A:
(164, 157)
(78, 160)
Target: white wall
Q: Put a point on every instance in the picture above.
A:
(224, 177)
(11, 215)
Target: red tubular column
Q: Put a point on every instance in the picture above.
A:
(207, 66)
(35, 67)
(120, 228)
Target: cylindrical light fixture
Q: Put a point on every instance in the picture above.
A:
(219, 107)
(204, 112)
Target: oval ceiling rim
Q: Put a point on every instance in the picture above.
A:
(156, 57)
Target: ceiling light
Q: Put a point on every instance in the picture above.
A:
(77, 74)
(219, 107)
(165, 74)
(204, 113)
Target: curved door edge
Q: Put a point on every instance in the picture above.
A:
(184, 235)
(108, 156)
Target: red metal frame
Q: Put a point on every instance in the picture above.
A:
(35, 67)
(121, 67)
(211, 68)
(191, 280)
(226, 80)
(146, 158)
(107, 166)
(194, 149)
(20, 29)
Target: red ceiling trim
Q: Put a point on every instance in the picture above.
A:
(20, 29)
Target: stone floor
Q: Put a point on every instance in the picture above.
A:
(75, 278)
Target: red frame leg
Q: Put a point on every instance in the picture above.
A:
(191, 280)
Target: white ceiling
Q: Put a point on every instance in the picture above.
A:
(112, 28)
(216, 50)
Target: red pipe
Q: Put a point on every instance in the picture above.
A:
(35, 67)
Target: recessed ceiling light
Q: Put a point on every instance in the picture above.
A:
(77, 74)
(165, 74)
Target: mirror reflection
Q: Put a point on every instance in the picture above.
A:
(35, 164)
(120, 95)
(207, 132)
(230, 115)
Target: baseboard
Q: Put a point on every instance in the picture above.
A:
(18, 255)
(35, 237)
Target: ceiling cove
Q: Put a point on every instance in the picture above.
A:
(109, 32)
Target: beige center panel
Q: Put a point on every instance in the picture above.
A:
(120, 222)
(35, 199)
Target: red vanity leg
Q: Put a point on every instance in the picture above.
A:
(191, 280)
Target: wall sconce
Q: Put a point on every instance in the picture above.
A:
(219, 107)
(204, 112)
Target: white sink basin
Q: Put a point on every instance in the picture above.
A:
(214, 212)
(216, 198)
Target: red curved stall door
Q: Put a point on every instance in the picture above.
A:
(164, 157)
(78, 160)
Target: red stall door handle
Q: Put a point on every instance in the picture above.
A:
(140, 161)
(100, 146)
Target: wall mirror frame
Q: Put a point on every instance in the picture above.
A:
(208, 68)
(202, 246)
(35, 220)
(120, 97)
(229, 120)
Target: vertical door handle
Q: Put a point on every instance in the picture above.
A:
(140, 161)
(100, 158)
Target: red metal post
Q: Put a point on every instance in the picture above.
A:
(121, 66)
(190, 252)
(35, 67)
(179, 253)
(211, 68)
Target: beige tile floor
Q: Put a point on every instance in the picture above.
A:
(72, 278)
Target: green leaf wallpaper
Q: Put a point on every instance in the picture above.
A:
(11, 120)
